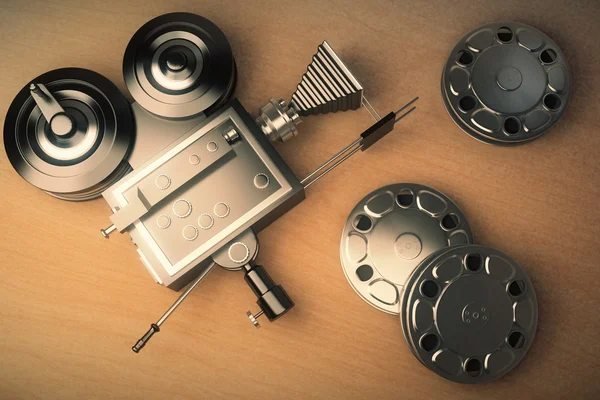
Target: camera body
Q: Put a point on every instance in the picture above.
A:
(218, 180)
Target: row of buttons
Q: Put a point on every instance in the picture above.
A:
(163, 181)
(183, 208)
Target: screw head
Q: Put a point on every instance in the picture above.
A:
(253, 319)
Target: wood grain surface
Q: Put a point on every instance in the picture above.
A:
(72, 303)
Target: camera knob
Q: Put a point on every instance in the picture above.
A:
(254, 318)
(273, 300)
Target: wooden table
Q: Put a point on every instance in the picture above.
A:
(74, 303)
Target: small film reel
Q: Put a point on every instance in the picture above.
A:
(179, 65)
(69, 132)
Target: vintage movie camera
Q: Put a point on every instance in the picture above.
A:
(188, 173)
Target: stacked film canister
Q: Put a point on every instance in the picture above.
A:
(468, 312)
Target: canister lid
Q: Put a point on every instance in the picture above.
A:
(389, 232)
(469, 313)
(506, 83)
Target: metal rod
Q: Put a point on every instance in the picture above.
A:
(369, 111)
(332, 159)
(345, 153)
(406, 105)
(373, 108)
(404, 115)
(333, 166)
(155, 327)
(185, 294)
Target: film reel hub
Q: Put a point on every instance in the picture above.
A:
(82, 148)
(506, 83)
(179, 65)
(390, 232)
(469, 313)
(519, 84)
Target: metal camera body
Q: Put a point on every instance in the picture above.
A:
(219, 181)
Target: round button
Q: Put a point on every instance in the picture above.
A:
(162, 182)
(194, 159)
(182, 208)
(212, 147)
(239, 252)
(205, 221)
(163, 221)
(509, 78)
(221, 210)
(408, 246)
(261, 181)
(189, 232)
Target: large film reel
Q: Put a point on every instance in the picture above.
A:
(390, 232)
(506, 83)
(469, 313)
(78, 159)
(179, 65)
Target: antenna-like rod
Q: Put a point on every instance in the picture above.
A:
(155, 327)
(369, 137)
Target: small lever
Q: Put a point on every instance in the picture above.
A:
(61, 124)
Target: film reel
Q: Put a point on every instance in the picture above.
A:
(81, 147)
(179, 65)
(469, 313)
(390, 232)
(506, 83)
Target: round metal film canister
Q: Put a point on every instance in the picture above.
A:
(390, 232)
(179, 65)
(506, 83)
(86, 151)
(469, 313)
